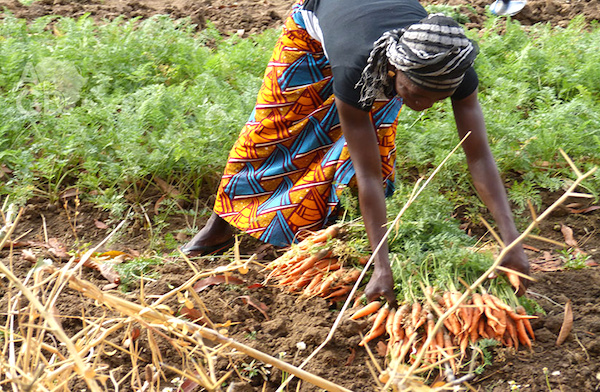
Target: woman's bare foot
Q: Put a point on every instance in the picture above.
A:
(215, 236)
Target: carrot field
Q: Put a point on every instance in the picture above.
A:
(117, 119)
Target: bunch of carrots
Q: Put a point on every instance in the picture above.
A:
(311, 268)
(483, 315)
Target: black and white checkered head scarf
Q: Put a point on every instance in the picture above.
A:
(434, 54)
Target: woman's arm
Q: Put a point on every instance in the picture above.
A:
(469, 117)
(364, 152)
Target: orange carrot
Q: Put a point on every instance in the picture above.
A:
(368, 309)
(521, 311)
(406, 344)
(316, 280)
(351, 276)
(481, 328)
(464, 343)
(339, 292)
(302, 281)
(357, 301)
(439, 342)
(415, 314)
(397, 323)
(452, 322)
(328, 282)
(511, 330)
(310, 261)
(330, 232)
(389, 324)
(522, 333)
(499, 327)
(373, 333)
(514, 279)
(382, 315)
(328, 264)
(478, 302)
(489, 305)
(449, 350)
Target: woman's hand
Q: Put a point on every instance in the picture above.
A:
(381, 284)
(516, 260)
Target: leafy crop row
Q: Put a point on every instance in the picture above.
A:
(107, 107)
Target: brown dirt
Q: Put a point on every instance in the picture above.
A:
(574, 366)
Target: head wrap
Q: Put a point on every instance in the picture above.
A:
(434, 54)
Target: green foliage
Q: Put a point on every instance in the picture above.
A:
(484, 346)
(540, 92)
(428, 246)
(133, 99)
(574, 259)
(104, 107)
(452, 11)
(131, 271)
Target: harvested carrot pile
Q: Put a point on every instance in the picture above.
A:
(313, 268)
(482, 316)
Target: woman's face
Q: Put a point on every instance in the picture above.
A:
(415, 97)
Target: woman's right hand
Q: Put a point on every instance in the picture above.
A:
(380, 285)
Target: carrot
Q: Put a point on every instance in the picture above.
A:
(328, 282)
(373, 333)
(478, 302)
(499, 327)
(382, 315)
(309, 262)
(406, 344)
(301, 282)
(514, 279)
(357, 301)
(490, 332)
(371, 307)
(489, 305)
(449, 350)
(351, 276)
(415, 314)
(521, 311)
(481, 329)
(324, 235)
(308, 290)
(452, 322)
(389, 324)
(439, 342)
(511, 330)
(522, 333)
(397, 323)
(328, 264)
(339, 292)
(464, 343)
(430, 324)
(499, 303)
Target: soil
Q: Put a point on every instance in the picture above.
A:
(284, 322)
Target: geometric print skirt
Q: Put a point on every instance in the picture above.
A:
(287, 169)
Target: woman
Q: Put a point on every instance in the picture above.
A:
(333, 89)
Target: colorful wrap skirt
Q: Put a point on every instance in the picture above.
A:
(287, 169)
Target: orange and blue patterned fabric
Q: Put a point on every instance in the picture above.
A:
(287, 169)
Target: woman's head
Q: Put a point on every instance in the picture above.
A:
(434, 54)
